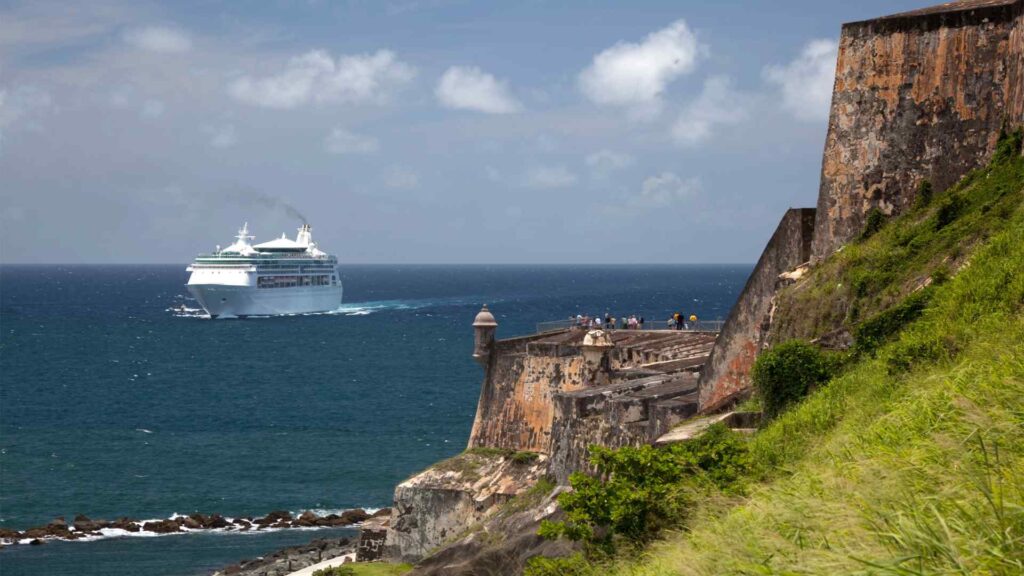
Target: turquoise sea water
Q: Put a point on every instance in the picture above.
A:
(113, 405)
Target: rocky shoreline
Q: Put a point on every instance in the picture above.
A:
(83, 527)
(289, 560)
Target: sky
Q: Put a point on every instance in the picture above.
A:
(413, 131)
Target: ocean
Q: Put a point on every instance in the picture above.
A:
(114, 403)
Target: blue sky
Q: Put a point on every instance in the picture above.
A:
(413, 131)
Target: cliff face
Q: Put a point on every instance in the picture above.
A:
(920, 95)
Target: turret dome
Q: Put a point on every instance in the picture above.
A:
(484, 318)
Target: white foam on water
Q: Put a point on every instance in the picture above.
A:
(108, 533)
(350, 309)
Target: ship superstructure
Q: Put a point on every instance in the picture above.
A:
(282, 276)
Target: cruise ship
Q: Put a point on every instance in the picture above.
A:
(282, 276)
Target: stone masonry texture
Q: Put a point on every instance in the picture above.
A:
(727, 371)
(920, 95)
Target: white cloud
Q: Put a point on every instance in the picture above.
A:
(401, 178)
(342, 141)
(718, 104)
(665, 189)
(470, 88)
(636, 75)
(152, 109)
(605, 161)
(159, 39)
(806, 82)
(222, 136)
(549, 177)
(317, 77)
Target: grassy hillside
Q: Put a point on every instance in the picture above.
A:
(892, 260)
(911, 460)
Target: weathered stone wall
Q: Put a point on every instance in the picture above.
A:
(515, 408)
(727, 371)
(631, 413)
(920, 95)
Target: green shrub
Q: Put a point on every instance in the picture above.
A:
(940, 276)
(949, 211)
(925, 193)
(1009, 145)
(873, 332)
(638, 492)
(525, 457)
(786, 373)
(873, 223)
(575, 565)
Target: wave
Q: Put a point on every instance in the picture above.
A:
(232, 528)
(350, 309)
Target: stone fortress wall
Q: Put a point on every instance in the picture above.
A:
(920, 95)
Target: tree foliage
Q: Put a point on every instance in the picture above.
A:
(637, 492)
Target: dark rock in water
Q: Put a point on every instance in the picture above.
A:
(37, 532)
(162, 527)
(217, 521)
(8, 534)
(326, 520)
(354, 516)
(191, 523)
(36, 542)
(200, 519)
(277, 515)
(306, 519)
(82, 523)
(126, 524)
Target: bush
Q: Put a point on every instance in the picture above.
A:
(637, 492)
(925, 193)
(574, 565)
(873, 223)
(949, 211)
(873, 332)
(1009, 145)
(786, 373)
(524, 457)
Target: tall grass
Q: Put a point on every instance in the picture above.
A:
(912, 461)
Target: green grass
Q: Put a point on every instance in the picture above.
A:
(912, 460)
(933, 240)
(370, 569)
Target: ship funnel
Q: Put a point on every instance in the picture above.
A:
(305, 236)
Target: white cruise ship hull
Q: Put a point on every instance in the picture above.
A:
(226, 301)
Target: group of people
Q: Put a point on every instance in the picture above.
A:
(679, 321)
(609, 322)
